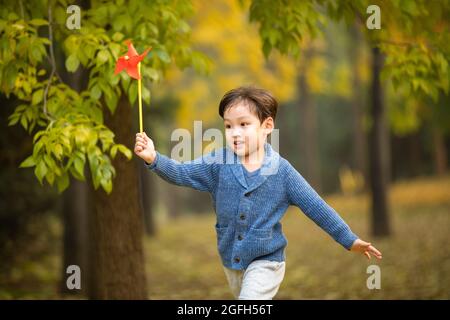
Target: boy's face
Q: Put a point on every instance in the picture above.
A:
(244, 132)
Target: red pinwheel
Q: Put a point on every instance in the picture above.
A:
(130, 61)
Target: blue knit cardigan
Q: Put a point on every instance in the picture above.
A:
(248, 216)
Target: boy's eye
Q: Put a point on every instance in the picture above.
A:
(227, 126)
(244, 124)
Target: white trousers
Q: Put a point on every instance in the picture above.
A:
(260, 281)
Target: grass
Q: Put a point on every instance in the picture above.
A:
(183, 263)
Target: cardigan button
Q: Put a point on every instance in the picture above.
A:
(237, 259)
(242, 216)
(240, 237)
(247, 194)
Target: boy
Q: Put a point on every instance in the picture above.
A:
(251, 186)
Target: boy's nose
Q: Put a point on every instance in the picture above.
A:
(236, 133)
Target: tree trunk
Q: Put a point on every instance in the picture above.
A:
(358, 134)
(147, 194)
(117, 229)
(75, 246)
(379, 153)
(440, 153)
(308, 119)
(415, 157)
(76, 210)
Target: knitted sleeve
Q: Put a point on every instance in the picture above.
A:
(200, 174)
(302, 195)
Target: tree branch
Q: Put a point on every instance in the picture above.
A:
(21, 10)
(52, 61)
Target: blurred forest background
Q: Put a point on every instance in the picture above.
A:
(364, 116)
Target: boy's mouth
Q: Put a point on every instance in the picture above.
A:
(238, 144)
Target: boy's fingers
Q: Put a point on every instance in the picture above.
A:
(141, 136)
(367, 255)
(378, 256)
(374, 250)
(139, 144)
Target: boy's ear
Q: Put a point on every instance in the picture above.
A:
(269, 125)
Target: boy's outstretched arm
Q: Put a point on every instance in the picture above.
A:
(197, 174)
(302, 195)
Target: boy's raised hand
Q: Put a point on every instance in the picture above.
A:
(365, 248)
(144, 147)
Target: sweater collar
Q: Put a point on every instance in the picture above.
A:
(269, 167)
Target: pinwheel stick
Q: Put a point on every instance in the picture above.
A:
(141, 129)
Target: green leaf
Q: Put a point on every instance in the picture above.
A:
(37, 97)
(13, 119)
(28, 162)
(50, 177)
(38, 146)
(126, 81)
(97, 115)
(79, 166)
(23, 121)
(49, 161)
(95, 179)
(111, 101)
(41, 170)
(113, 151)
(102, 56)
(152, 74)
(36, 53)
(72, 63)
(96, 93)
(163, 55)
(266, 49)
(38, 22)
(125, 151)
(146, 95)
(107, 185)
(58, 151)
(62, 182)
(132, 92)
(117, 36)
(37, 135)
